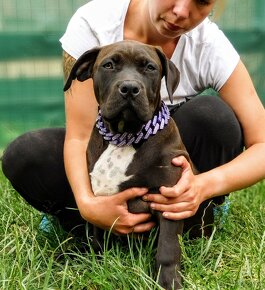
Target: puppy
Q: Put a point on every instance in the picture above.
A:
(134, 138)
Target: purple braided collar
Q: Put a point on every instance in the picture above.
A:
(158, 122)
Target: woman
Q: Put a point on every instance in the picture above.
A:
(214, 134)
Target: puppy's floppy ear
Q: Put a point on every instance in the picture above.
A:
(83, 67)
(171, 73)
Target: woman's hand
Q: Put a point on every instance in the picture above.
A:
(182, 200)
(111, 212)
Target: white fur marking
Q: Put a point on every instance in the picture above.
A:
(109, 170)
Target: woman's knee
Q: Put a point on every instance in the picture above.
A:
(221, 122)
(212, 118)
(30, 151)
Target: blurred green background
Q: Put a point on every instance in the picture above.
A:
(31, 78)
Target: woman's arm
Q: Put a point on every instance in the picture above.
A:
(81, 111)
(249, 167)
(183, 200)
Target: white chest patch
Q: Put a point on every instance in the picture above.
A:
(109, 170)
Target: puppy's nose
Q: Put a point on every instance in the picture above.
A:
(129, 89)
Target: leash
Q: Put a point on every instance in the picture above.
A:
(157, 123)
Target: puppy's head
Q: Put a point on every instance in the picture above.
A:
(127, 78)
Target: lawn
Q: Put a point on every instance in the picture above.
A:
(233, 258)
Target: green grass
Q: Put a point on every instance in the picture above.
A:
(233, 258)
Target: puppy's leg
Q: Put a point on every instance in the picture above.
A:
(168, 257)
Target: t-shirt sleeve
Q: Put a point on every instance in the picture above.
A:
(220, 60)
(79, 36)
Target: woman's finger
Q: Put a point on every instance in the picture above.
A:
(178, 215)
(157, 198)
(130, 193)
(145, 227)
(168, 196)
(175, 207)
(172, 192)
(137, 223)
(182, 162)
(138, 218)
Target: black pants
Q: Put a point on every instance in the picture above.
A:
(34, 161)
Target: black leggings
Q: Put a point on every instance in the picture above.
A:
(34, 161)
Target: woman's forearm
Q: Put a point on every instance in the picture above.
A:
(245, 170)
(76, 169)
(81, 111)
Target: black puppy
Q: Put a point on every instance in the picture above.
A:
(134, 138)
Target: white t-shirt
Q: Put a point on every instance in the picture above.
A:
(204, 56)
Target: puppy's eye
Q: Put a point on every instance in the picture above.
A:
(108, 65)
(150, 67)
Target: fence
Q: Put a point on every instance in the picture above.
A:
(30, 57)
